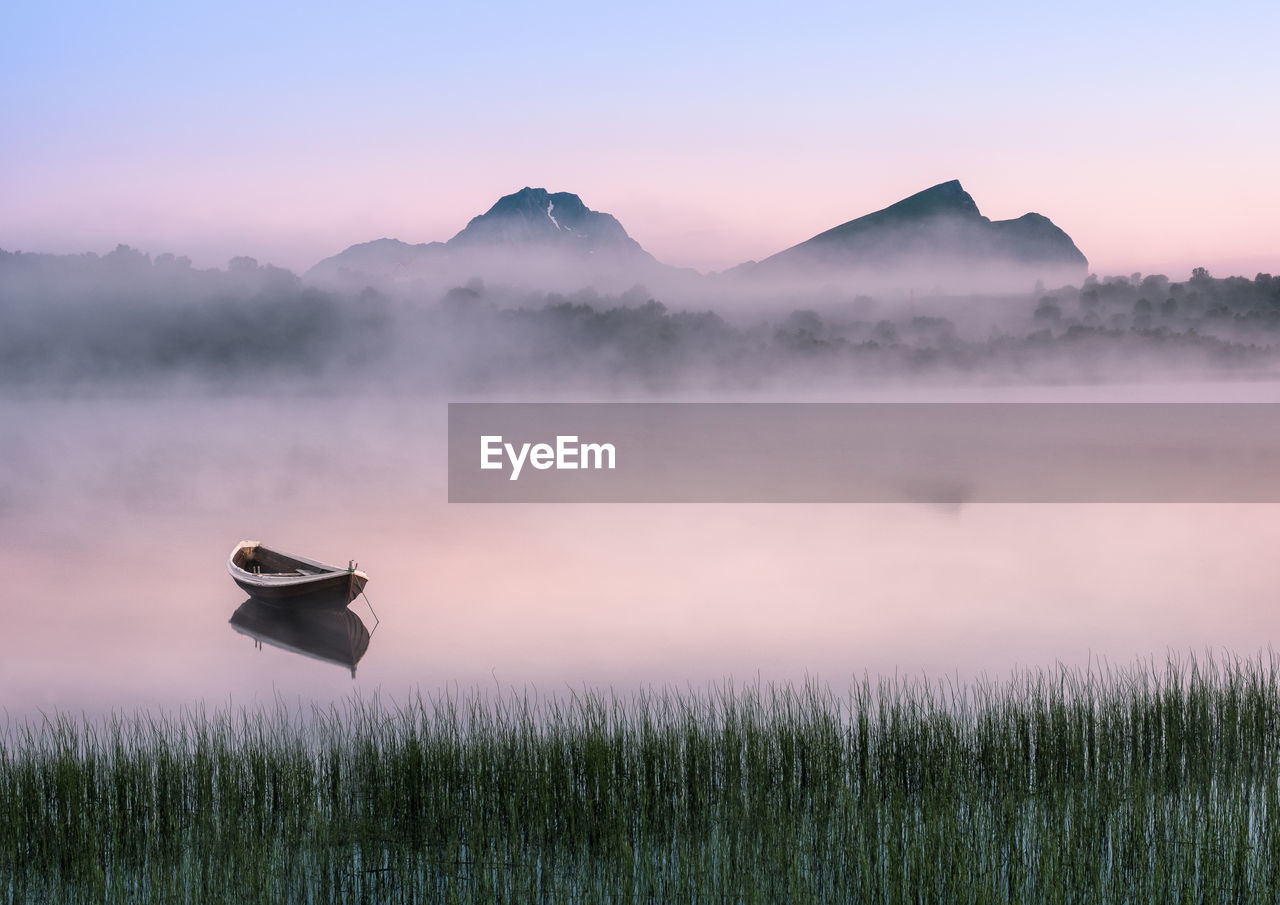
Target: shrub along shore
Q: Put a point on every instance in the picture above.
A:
(1156, 782)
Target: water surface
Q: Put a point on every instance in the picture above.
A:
(117, 515)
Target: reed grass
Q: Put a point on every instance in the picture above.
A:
(1155, 783)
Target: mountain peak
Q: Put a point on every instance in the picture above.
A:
(537, 201)
(937, 230)
(534, 216)
(943, 198)
(542, 238)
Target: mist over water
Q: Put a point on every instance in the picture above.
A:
(83, 323)
(119, 514)
(158, 414)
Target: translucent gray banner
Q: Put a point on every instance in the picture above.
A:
(939, 453)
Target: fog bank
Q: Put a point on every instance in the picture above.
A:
(126, 319)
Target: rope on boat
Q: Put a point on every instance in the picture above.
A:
(376, 620)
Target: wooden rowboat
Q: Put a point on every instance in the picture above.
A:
(282, 579)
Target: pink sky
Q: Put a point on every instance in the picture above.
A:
(714, 133)
(701, 212)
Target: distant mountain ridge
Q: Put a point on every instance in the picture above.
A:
(552, 240)
(939, 228)
(529, 234)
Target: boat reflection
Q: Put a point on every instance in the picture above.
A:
(334, 635)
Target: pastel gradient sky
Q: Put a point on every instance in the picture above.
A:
(716, 132)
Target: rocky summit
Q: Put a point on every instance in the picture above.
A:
(536, 216)
(938, 233)
(531, 237)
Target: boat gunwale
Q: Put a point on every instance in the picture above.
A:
(280, 579)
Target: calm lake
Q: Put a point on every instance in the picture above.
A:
(117, 515)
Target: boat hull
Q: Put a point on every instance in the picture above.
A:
(338, 589)
(282, 579)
